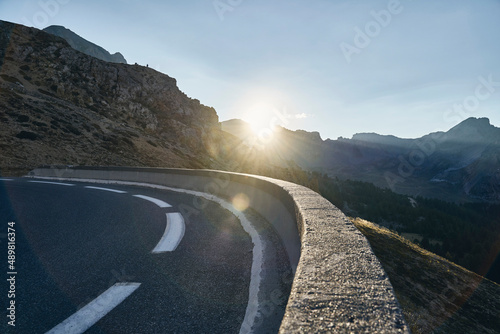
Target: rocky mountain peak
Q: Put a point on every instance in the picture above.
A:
(479, 124)
(82, 45)
(473, 130)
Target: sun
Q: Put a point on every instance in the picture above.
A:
(261, 122)
(262, 131)
(259, 126)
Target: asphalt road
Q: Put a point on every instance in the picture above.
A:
(73, 243)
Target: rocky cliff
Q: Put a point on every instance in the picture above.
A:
(60, 106)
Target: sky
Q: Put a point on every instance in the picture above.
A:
(339, 67)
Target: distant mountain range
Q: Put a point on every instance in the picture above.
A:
(462, 164)
(82, 45)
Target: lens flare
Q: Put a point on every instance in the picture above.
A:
(241, 202)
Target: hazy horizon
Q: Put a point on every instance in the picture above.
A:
(390, 67)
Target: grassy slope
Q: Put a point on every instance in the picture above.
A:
(436, 295)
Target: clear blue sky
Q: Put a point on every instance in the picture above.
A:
(338, 67)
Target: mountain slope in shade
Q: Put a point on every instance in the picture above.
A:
(82, 45)
(241, 130)
(462, 164)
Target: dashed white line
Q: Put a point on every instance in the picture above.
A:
(251, 314)
(107, 189)
(58, 183)
(4, 179)
(156, 201)
(91, 313)
(174, 232)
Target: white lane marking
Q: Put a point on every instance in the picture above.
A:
(156, 201)
(91, 313)
(58, 183)
(174, 232)
(3, 179)
(107, 189)
(254, 304)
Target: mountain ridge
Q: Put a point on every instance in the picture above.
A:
(79, 43)
(459, 164)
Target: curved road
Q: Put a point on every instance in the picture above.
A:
(78, 242)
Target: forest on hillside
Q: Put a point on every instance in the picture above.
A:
(467, 234)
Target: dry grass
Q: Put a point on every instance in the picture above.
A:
(437, 296)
